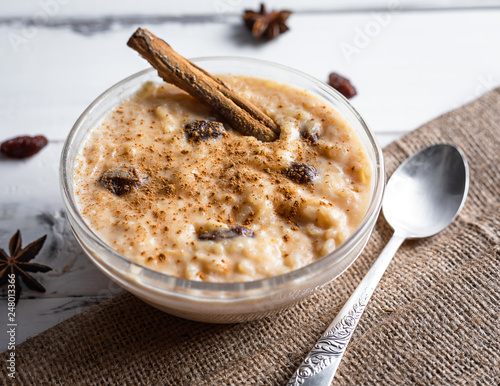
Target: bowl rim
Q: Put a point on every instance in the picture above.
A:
(236, 288)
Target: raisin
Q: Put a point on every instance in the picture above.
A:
(201, 130)
(23, 147)
(301, 173)
(230, 233)
(310, 137)
(342, 85)
(121, 180)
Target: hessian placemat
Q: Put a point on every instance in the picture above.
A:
(434, 318)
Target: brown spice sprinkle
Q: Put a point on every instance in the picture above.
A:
(169, 190)
(222, 188)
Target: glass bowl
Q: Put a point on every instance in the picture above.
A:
(220, 302)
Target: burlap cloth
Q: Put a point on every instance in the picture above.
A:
(434, 318)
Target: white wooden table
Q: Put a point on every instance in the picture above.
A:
(409, 60)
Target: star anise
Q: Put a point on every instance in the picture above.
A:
(266, 25)
(18, 264)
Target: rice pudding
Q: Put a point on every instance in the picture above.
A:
(166, 184)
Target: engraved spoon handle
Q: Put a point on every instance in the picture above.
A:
(320, 365)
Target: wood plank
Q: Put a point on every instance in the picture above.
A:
(29, 182)
(385, 139)
(72, 273)
(405, 74)
(30, 201)
(97, 8)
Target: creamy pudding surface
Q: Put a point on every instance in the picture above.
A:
(165, 183)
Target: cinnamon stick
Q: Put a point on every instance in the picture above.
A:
(241, 114)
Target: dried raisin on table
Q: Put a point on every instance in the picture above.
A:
(342, 85)
(201, 130)
(230, 233)
(301, 173)
(121, 180)
(23, 147)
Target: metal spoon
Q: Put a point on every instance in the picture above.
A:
(423, 196)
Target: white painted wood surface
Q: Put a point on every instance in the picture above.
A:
(163, 8)
(408, 66)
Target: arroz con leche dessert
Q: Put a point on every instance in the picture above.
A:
(166, 184)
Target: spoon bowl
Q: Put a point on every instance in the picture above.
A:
(427, 191)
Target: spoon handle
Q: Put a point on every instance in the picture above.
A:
(320, 365)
